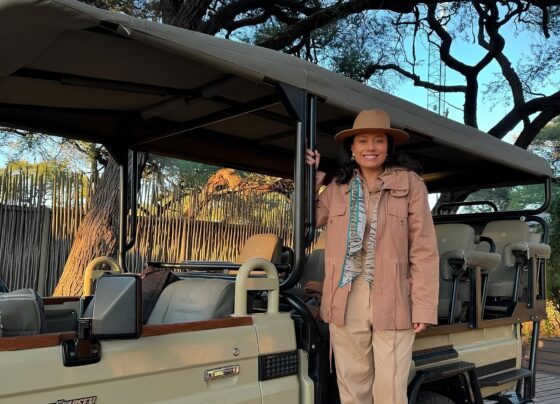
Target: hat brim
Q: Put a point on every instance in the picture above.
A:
(399, 136)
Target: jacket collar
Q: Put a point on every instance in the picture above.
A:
(395, 178)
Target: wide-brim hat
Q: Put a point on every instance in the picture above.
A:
(373, 121)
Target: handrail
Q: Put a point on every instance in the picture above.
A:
(90, 276)
(469, 203)
(243, 284)
(310, 191)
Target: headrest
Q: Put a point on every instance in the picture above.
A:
(22, 313)
(267, 246)
(507, 231)
(454, 236)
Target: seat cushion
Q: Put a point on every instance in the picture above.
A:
(22, 313)
(194, 299)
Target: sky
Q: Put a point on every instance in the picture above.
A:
(517, 47)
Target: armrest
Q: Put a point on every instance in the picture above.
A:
(539, 250)
(452, 263)
(487, 261)
(531, 250)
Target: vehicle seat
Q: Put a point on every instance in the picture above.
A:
(457, 255)
(506, 234)
(313, 269)
(262, 245)
(267, 246)
(454, 240)
(514, 242)
(194, 299)
(22, 313)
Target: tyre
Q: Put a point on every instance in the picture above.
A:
(429, 397)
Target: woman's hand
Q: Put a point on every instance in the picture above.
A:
(418, 327)
(312, 157)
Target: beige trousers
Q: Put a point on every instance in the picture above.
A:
(356, 346)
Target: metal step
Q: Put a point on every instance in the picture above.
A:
(506, 377)
(444, 371)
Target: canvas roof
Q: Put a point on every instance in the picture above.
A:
(70, 69)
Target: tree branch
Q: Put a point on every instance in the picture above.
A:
(371, 69)
(190, 14)
(327, 15)
(531, 130)
(518, 113)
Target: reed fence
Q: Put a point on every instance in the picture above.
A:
(40, 214)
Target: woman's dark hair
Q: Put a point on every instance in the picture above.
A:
(346, 166)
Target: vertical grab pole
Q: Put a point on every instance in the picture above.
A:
(531, 381)
(299, 202)
(312, 144)
(295, 101)
(133, 201)
(123, 209)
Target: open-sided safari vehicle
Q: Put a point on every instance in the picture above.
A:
(71, 70)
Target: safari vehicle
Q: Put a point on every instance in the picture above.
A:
(72, 70)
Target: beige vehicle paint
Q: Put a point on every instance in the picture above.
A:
(170, 368)
(164, 368)
(483, 346)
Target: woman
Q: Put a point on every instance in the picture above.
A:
(381, 261)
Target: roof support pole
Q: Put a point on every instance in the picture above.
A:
(296, 102)
(133, 201)
(120, 155)
(310, 185)
(123, 209)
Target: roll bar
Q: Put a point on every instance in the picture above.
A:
(303, 109)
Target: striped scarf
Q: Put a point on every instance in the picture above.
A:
(354, 261)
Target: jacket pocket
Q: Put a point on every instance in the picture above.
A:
(336, 213)
(398, 204)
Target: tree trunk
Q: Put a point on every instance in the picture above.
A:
(96, 235)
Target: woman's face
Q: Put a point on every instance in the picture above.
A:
(370, 150)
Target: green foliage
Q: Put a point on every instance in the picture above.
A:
(553, 270)
(169, 172)
(19, 146)
(507, 199)
(547, 144)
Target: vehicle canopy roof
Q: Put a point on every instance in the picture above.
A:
(72, 70)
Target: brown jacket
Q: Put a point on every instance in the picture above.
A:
(406, 282)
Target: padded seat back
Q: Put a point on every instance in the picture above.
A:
(194, 299)
(505, 233)
(22, 313)
(267, 246)
(454, 241)
(313, 268)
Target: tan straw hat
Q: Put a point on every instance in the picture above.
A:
(373, 121)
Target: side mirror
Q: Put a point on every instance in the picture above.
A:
(117, 308)
(117, 313)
